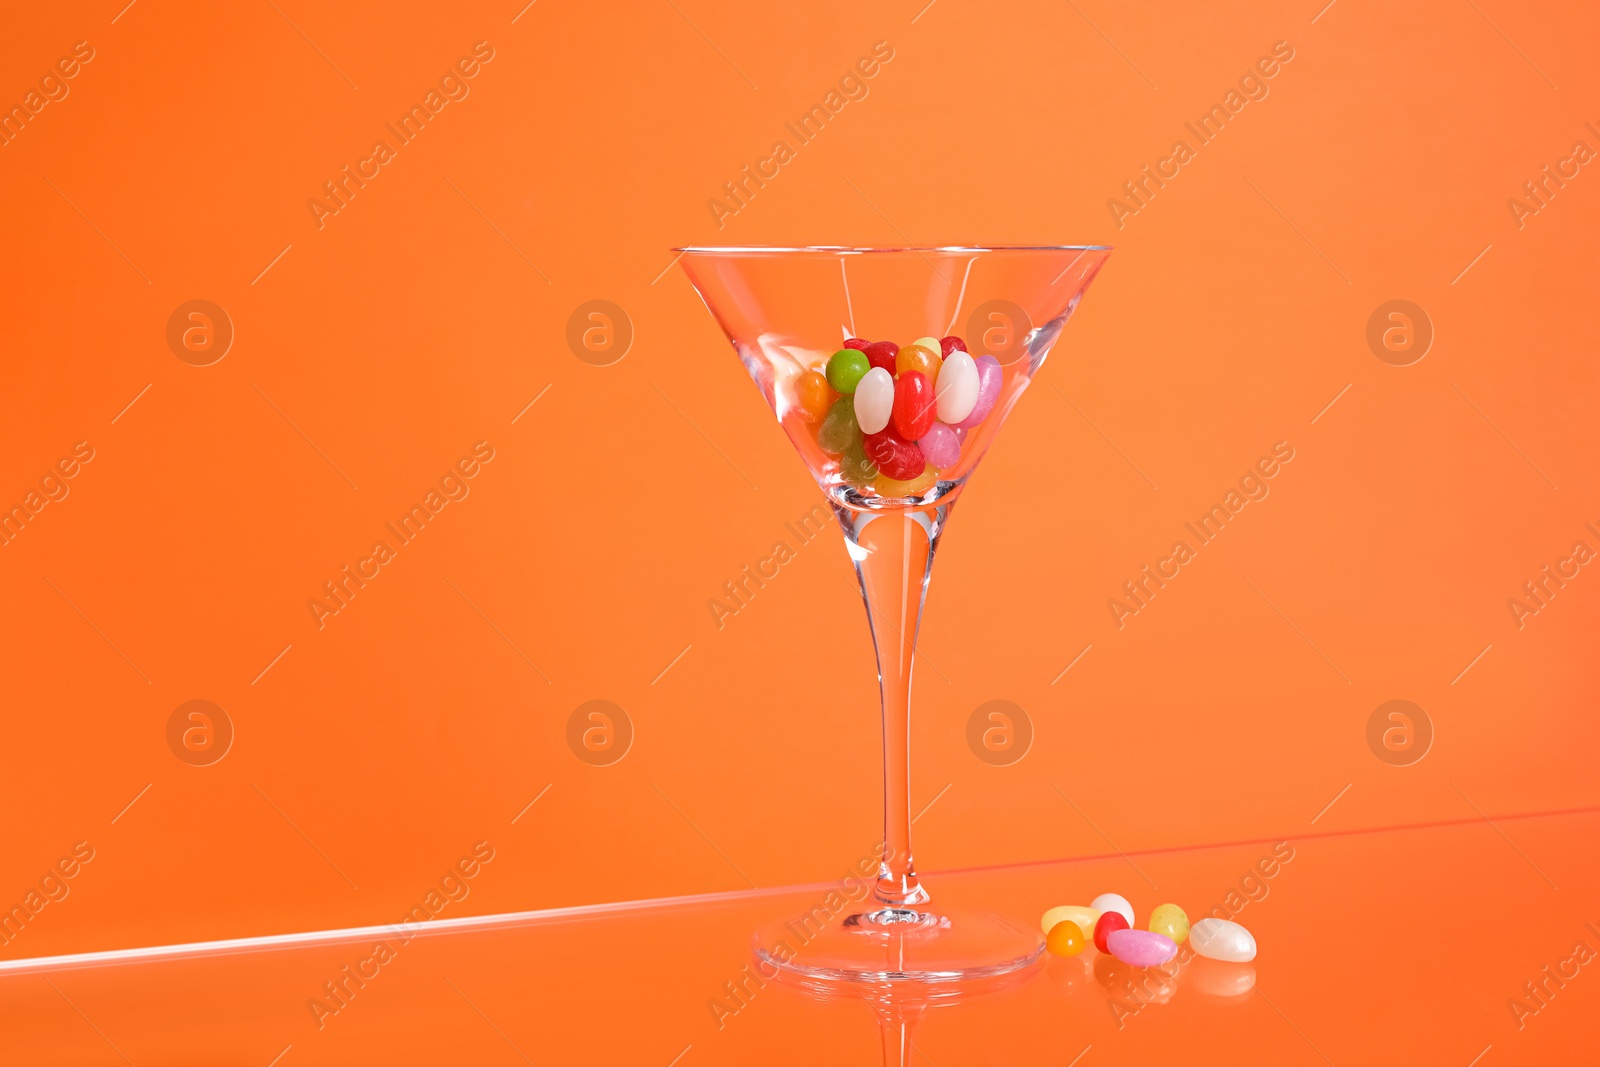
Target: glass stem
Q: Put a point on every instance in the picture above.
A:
(893, 554)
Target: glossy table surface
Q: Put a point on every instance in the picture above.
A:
(1408, 945)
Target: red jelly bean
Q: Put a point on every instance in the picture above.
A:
(881, 354)
(913, 405)
(952, 344)
(1109, 921)
(895, 456)
(858, 344)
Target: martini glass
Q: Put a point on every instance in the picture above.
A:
(991, 315)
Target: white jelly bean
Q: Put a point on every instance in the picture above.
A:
(957, 388)
(1084, 917)
(874, 400)
(1113, 902)
(1219, 939)
(990, 379)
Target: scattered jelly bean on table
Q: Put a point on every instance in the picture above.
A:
(922, 360)
(1140, 948)
(1084, 917)
(1169, 920)
(940, 446)
(1219, 939)
(894, 487)
(913, 405)
(1108, 921)
(990, 380)
(814, 395)
(846, 368)
(1114, 902)
(895, 456)
(839, 429)
(1065, 939)
(951, 344)
(957, 388)
(874, 400)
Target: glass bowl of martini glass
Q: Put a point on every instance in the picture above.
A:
(892, 371)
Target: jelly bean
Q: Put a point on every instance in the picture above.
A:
(1170, 921)
(989, 381)
(882, 353)
(839, 430)
(1140, 948)
(874, 400)
(893, 487)
(846, 368)
(813, 396)
(957, 388)
(1219, 939)
(940, 446)
(951, 344)
(855, 466)
(1114, 902)
(917, 358)
(895, 456)
(913, 405)
(1065, 939)
(1084, 917)
(931, 344)
(857, 343)
(1108, 921)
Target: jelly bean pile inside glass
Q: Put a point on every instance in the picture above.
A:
(1108, 924)
(897, 416)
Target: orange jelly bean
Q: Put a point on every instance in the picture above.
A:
(917, 358)
(814, 396)
(1065, 939)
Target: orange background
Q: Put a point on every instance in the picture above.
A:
(426, 315)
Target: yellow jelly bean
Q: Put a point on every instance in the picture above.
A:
(1065, 939)
(1084, 917)
(888, 486)
(931, 344)
(915, 357)
(1169, 920)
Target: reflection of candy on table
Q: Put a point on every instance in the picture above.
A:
(897, 416)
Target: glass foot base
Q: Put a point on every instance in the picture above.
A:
(921, 944)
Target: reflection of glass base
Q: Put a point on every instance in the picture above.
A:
(898, 945)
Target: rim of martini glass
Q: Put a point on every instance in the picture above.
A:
(869, 249)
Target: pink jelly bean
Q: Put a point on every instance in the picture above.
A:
(989, 381)
(1141, 948)
(941, 446)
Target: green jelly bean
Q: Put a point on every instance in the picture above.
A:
(856, 467)
(839, 429)
(846, 368)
